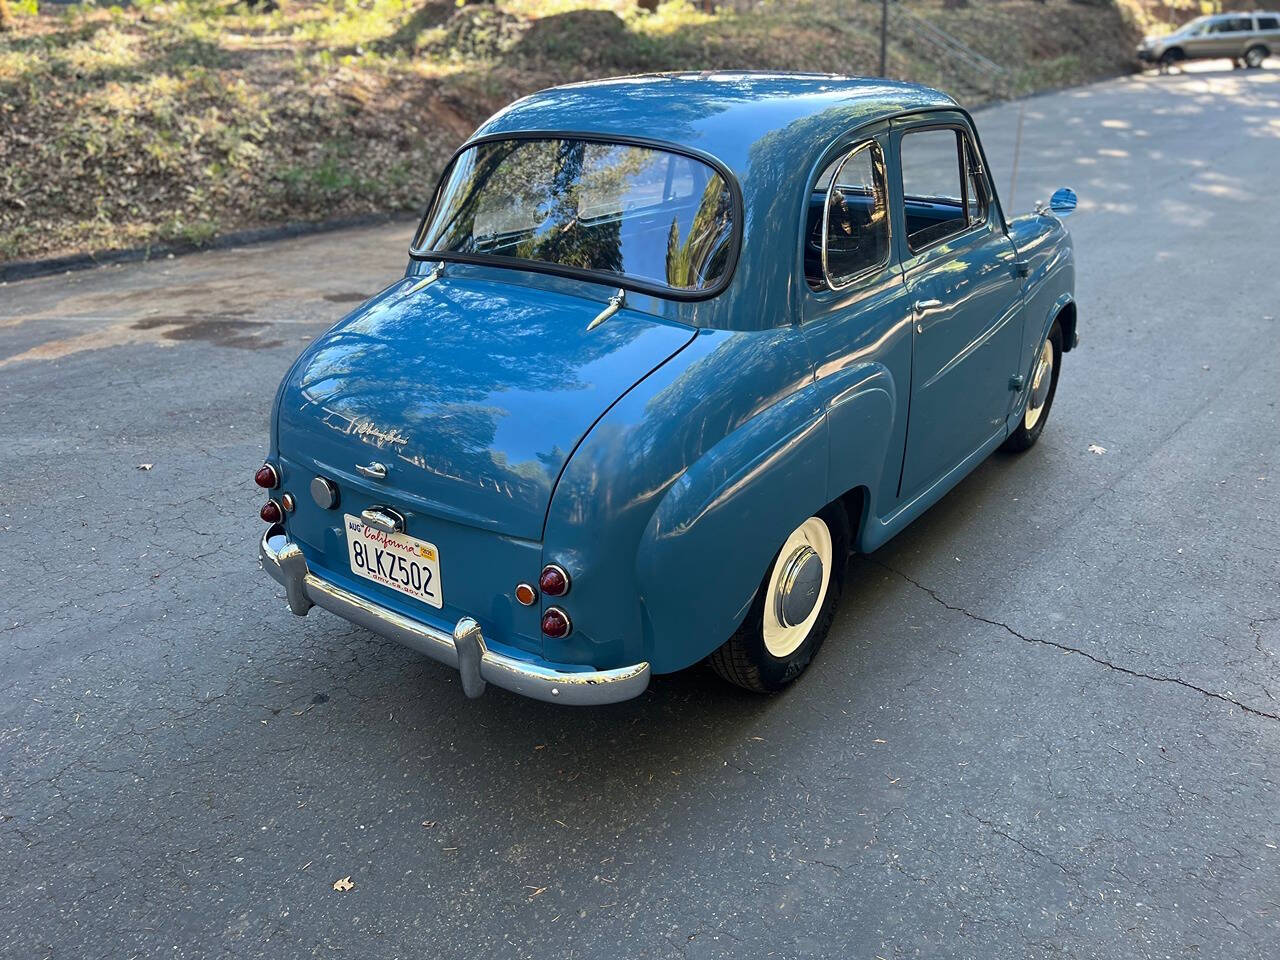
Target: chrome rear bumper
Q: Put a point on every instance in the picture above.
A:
(464, 649)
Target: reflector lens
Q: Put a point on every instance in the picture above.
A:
(555, 623)
(526, 594)
(266, 477)
(271, 512)
(554, 580)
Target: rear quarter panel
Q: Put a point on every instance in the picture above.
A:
(671, 509)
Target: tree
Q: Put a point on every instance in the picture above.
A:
(6, 18)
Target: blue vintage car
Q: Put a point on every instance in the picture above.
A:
(667, 350)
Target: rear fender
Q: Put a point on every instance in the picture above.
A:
(711, 538)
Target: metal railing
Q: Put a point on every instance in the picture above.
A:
(984, 73)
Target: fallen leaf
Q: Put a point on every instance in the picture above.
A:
(1097, 448)
(344, 884)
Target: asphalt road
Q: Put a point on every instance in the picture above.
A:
(1046, 723)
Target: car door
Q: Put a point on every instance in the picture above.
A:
(962, 282)
(1198, 41)
(854, 314)
(1243, 34)
(1269, 32)
(1222, 39)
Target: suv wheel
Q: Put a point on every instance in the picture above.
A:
(1171, 58)
(1254, 56)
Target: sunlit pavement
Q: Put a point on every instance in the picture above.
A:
(1045, 725)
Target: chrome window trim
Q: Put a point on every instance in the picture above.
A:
(974, 167)
(881, 170)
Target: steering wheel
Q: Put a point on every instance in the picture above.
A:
(845, 235)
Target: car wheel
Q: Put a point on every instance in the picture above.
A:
(1044, 384)
(793, 609)
(1171, 58)
(1254, 56)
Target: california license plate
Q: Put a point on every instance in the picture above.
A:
(395, 560)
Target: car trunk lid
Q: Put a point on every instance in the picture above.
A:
(471, 393)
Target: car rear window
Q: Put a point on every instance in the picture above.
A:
(1269, 23)
(611, 210)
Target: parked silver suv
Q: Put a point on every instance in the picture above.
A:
(1246, 39)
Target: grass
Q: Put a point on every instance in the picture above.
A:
(174, 122)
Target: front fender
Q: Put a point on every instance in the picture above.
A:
(1044, 243)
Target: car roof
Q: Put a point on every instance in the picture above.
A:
(732, 116)
(768, 129)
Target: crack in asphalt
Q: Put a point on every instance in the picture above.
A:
(1034, 852)
(1177, 681)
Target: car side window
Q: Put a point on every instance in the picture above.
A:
(1231, 25)
(932, 186)
(848, 231)
(1269, 23)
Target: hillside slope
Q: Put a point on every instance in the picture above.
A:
(170, 123)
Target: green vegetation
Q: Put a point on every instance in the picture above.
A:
(173, 122)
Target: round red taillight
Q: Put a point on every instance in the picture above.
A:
(555, 623)
(271, 512)
(554, 580)
(267, 477)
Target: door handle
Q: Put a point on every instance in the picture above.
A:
(375, 470)
(384, 519)
(922, 307)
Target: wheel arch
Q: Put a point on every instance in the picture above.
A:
(1065, 317)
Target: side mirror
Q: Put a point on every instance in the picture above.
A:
(1062, 202)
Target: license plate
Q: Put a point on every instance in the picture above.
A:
(394, 560)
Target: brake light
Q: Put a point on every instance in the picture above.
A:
(267, 477)
(556, 623)
(554, 580)
(271, 512)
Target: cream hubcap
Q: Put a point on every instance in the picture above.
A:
(797, 587)
(1041, 380)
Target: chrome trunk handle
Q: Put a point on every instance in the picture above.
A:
(384, 519)
(375, 470)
